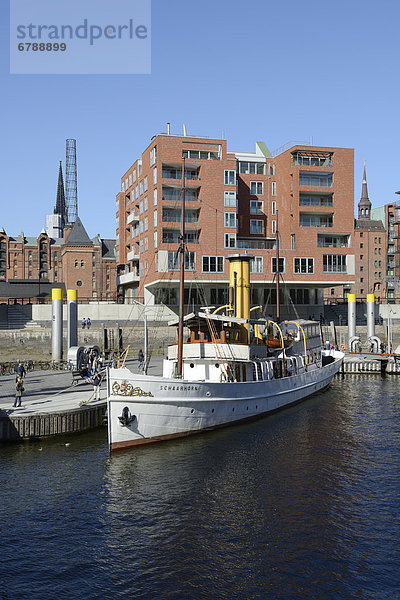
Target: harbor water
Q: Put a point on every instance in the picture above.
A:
(302, 504)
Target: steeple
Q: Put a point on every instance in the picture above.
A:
(364, 206)
(61, 208)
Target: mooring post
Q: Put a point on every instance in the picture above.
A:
(57, 324)
(72, 318)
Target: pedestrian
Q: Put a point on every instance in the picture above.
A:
(96, 380)
(20, 370)
(83, 323)
(19, 388)
(140, 359)
(88, 322)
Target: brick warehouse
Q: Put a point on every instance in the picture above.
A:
(62, 254)
(235, 201)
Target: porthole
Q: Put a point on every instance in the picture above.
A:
(192, 365)
(256, 406)
(247, 408)
(192, 411)
(212, 410)
(217, 365)
(233, 410)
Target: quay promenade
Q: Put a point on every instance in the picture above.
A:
(52, 405)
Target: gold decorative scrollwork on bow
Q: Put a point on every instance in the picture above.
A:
(127, 389)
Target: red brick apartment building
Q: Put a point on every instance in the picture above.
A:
(235, 203)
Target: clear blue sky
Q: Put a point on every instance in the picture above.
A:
(269, 71)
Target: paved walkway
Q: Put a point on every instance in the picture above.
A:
(53, 392)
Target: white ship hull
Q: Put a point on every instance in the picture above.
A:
(144, 409)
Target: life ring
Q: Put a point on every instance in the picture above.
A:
(342, 347)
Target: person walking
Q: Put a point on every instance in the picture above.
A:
(19, 388)
(88, 323)
(96, 380)
(83, 323)
(141, 360)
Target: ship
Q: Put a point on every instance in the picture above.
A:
(233, 367)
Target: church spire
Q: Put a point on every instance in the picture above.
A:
(60, 208)
(364, 205)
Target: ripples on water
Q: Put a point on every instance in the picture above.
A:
(303, 504)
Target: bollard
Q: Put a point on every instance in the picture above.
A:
(370, 316)
(351, 315)
(57, 324)
(72, 318)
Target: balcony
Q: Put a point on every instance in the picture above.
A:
(132, 255)
(132, 277)
(132, 218)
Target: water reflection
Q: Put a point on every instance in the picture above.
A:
(301, 504)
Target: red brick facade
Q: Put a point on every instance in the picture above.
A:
(90, 268)
(234, 202)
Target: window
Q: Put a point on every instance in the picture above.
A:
(201, 154)
(155, 239)
(251, 168)
(213, 264)
(134, 176)
(141, 207)
(361, 268)
(334, 263)
(308, 220)
(171, 236)
(256, 264)
(273, 226)
(299, 296)
(362, 246)
(293, 241)
(361, 256)
(315, 200)
(174, 263)
(122, 186)
(146, 223)
(281, 265)
(146, 205)
(273, 207)
(256, 188)
(137, 191)
(130, 179)
(155, 198)
(146, 185)
(141, 227)
(153, 155)
(304, 265)
(141, 187)
(155, 218)
(272, 169)
(230, 177)
(256, 207)
(230, 199)
(141, 246)
(155, 175)
(315, 179)
(146, 243)
(230, 219)
(256, 226)
(273, 188)
(230, 240)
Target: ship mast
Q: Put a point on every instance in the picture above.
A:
(278, 304)
(179, 370)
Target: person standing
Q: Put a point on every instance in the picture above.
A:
(19, 388)
(83, 323)
(20, 370)
(88, 323)
(96, 380)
